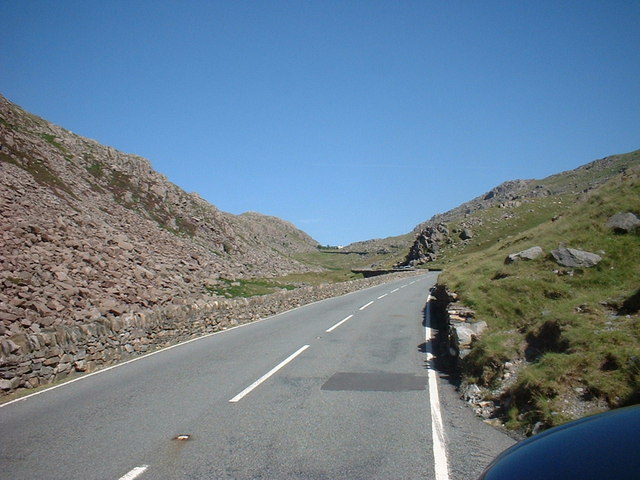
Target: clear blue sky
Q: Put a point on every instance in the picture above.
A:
(351, 119)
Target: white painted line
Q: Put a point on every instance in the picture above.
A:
(135, 473)
(403, 286)
(338, 324)
(365, 306)
(392, 291)
(437, 428)
(382, 296)
(142, 357)
(263, 378)
(155, 352)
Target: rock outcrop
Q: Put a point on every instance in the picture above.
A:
(426, 245)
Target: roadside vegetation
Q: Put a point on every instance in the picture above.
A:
(336, 266)
(234, 288)
(246, 287)
(572, 336)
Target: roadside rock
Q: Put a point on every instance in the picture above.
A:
(571, 257)
(459, 327)
(466, 333)
(624, 222)
(528, 254)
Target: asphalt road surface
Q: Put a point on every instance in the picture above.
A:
(339, 389)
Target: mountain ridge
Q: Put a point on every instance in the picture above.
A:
(514, 193)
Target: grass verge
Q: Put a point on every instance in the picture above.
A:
(569, 327)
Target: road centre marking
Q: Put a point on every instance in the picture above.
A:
(392, 291)
(338, 324)
(365, 306)
(135, 473)
(382, 296)
(162, 350)
(263, 378)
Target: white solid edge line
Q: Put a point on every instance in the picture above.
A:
(255, 384)
(382, 296)
(437, 428)
(106, 369)
(365, 306)
(338, 324)
(135, 473)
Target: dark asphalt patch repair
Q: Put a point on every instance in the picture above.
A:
(375, 382)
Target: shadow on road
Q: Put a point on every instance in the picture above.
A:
(442, 362)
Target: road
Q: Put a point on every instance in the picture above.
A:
(338, 389)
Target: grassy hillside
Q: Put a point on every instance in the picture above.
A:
(571, 337)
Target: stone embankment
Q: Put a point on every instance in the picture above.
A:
(459, 329)
(29, 360)
(457, 324)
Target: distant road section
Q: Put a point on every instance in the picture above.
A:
(337, 389)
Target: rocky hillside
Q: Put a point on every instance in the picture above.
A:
(272, 233)
(510, 196)
(88, 231)
(540, 293)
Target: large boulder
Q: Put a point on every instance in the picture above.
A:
(570, 257)
(528, 254)
(623, 222)
(466, 234)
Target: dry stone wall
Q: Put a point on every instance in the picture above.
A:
(31, 359)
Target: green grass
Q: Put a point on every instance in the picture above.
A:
(335, 259)
(318, 278)
(40, 172)
(565, 323)
(51, 139)
(246, 287)
(336, 267)
(96, 169)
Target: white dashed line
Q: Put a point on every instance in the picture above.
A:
(135, 473)
(382, 296)
(365, 306)
(338, 324)
(263, 378)
(393, 291)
